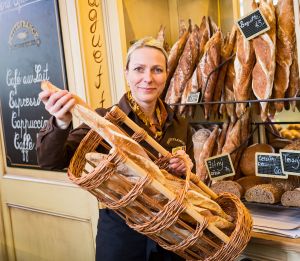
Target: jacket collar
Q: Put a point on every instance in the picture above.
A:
(125, 107)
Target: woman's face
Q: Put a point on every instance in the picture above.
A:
(146, 75)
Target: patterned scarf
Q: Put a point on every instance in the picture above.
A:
(160, 113)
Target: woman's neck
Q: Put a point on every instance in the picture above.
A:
(148, 110)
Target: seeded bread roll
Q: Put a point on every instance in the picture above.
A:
(291, 198)
(247, 162)
(228, 186)
(251, 181)
(264, 193)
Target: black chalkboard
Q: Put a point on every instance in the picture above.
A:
(220, 167)
(269, 165)
(31, 51)
(290, 161)
(253, 24)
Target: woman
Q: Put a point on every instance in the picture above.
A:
(146, 73)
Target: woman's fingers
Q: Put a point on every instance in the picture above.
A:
(44, 96)
(58, 104)
(65, 109)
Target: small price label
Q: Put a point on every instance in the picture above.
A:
(220, 167)
(253, 24)
(269, 165)
(290, 160)
(193, 97)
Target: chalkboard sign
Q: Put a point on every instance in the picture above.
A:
(269, 165)
(220, 167)
(31, 51)
(193, 97)
(253, 24)
(290, 160)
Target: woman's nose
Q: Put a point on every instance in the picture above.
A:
(148, 76)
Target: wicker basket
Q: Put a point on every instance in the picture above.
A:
(146, 204)
(161, 222)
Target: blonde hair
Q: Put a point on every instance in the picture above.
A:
(146, 42)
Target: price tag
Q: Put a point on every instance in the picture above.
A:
(193, 97)
(290, 162)
(253, 24)
(269, 165)
(220, 167)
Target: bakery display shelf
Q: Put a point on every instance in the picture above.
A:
(234, 102)
(269, 206)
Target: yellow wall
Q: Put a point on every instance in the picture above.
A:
(143, 18)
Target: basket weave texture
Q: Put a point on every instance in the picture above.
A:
(162, 221)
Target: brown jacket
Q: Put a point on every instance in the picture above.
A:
(55, 147)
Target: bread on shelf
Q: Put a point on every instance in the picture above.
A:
(228, 186)
(247, 163)
(291, 198)
(264, 193)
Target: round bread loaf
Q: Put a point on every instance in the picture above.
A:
(291, 198)
(247, 162)
(251, 181)
(264, 193)
(228, 186)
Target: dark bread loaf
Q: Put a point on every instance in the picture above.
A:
(228, 186)
(291, 198)
(264, 193)
(251, 181)
(287, 184)
(247, 162)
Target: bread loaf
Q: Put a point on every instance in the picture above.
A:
(251, 181)
(295, 145)
(291, 198)
(247, 162)
(264, 193)
(286, 184)
(228, 186)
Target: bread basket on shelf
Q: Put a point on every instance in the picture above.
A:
(183, 216)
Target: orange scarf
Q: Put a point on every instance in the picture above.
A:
(160, 113)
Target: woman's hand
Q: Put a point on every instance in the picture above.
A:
(177, 165)
(59, 105)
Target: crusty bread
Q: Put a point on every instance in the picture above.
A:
(251, 181)
(264, 193)
(291, 198)
(286, 184)
(295, 145)
(247, 162)
(228, 186)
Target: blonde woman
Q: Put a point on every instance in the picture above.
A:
(146, 74)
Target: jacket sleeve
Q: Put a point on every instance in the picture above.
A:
(55, 147)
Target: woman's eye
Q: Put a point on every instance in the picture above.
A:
(158, 70)
(139, 69)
